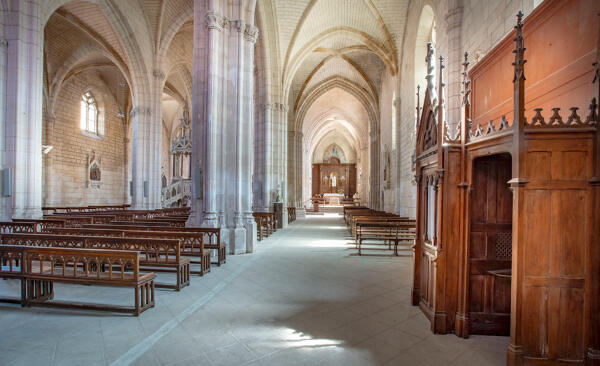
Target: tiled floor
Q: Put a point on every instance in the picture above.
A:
(302, 299)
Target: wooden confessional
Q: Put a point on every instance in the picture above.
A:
(508, 206)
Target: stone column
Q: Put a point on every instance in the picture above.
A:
(267, 176)
(283, 162)
(206, 143)
(374, 199)
(292, 184)
(398, 158)
(22, 108)
(146, 118)
(454, 23)
(241, 225)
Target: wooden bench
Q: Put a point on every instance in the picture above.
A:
(265, 221)
(40, 267)
(212, 236)
(141, 223)
(385, 231)
(388, 218)
(262, 225)
(161, 255)
(11, 260)
(291, 214)
(17, 227)
(43, 225)
(192, 244)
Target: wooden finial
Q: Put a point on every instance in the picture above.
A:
(597, 63)
(418, 104)
(466, 81)
(441, 86)
(519, 49)
(430, 91)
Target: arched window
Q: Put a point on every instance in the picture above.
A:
(89, 113)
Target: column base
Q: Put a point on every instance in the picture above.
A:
(250, 227)
(237, 240)
(300, 213)
(27, 213)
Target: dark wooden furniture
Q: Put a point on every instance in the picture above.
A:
(43, 225)
(18, 227)
(212, 236)
(162, 255)
(266, 223)
(291, 214)
(192, 243)
(38, 268)
(386, 233)
(278, 214)
(512, 198)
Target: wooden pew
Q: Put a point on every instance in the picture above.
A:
(387, 232)
(11, 260)
(43, 225)
(141, 223)
(155, 254)
(192, 244)
(374, 218)
(212, 234)
(41, 267)
(262, 225)
(17, 227)
(291, 214)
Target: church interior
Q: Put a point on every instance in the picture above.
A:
(300, 182)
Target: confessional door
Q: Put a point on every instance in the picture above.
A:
(490, 248)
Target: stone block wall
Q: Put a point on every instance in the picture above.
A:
(65, 167)
(481, 26)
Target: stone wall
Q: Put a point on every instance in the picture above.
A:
(65, 167)
(475, 26)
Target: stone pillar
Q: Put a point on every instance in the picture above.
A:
(283, 162)
(267, 177)
(206, 143)
(146, 119)
(374, 199)
(292, 184)
(398, 156)
(454, 23)
(238, 134)
(295, 171)
(21, 126)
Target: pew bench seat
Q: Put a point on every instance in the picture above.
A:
(39, 268)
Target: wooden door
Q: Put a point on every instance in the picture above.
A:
(490, 248)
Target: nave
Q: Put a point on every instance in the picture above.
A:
(304, 298)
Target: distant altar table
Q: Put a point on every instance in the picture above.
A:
(333, 198)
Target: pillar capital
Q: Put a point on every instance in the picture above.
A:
(251, 33)
(215, 21)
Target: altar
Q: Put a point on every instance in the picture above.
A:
(333, 198)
